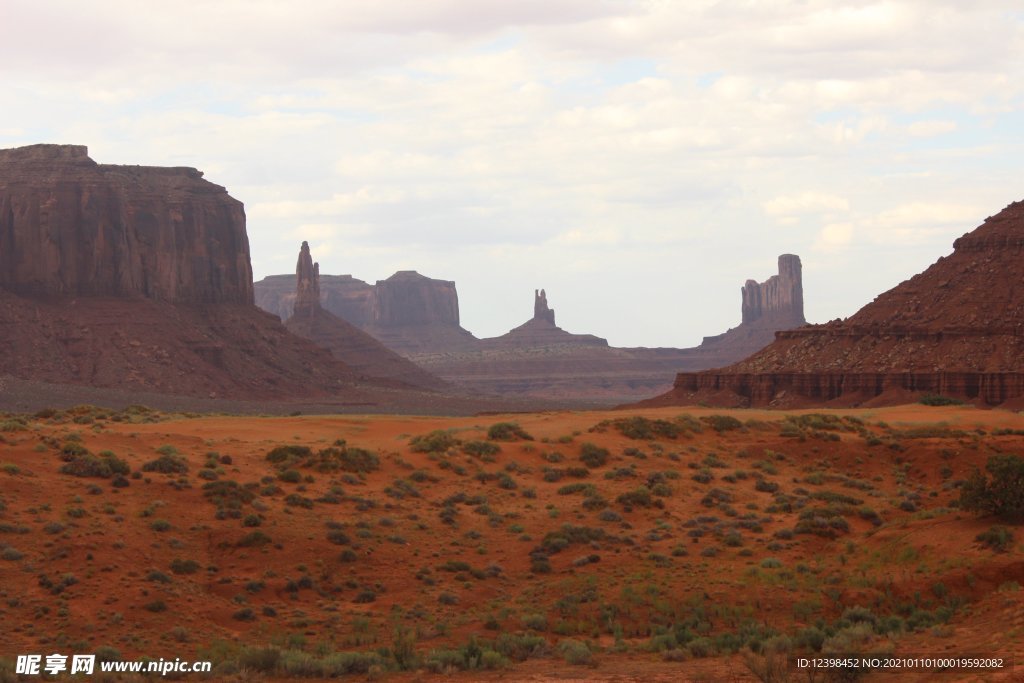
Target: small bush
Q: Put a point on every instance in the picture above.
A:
(184, 566)
(722, 423)
(437, 441)
(593, 456)
(1003, 494)
(167, 464)
(998, 538)
(507, 431)
(575, 652)
(480, 448)
(937, 400)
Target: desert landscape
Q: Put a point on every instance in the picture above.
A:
(617, 545)
(455, 382)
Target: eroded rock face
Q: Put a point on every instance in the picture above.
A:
(70, 227)
(410, 298)
(780, 297)
(956, 329)
(307, 290)
(540, 307)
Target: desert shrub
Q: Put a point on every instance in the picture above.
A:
(287, 453)
(575, 652)
(89, 465)
(638, 497)
(1003, 494)
(179, 566)
(253, 539)
(937, 400)
(593, 456)
(227, 494)
(480, 448)
(507, 431)
(998, 537)
(642, 428)
(437, 441)
(167, 464)
(722, 423)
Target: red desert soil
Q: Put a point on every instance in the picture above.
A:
(659, 563)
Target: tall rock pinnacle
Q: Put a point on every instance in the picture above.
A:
(540, 307)
(307, 291)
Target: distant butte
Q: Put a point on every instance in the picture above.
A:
(363, 353)
(408, 312)
(956, 329)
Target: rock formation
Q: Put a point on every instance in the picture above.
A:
(360, 351)
(780, 297)
(540, 307)
(138, 278)
(766, 307)
(540, 359)
(541, 331)
(408, 312)
(955, 329)
(71, 227)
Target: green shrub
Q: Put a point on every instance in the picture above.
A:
(593, 456)
(998, 537)
(89, 465)
(1003, 494)
(722, 423)
(480, 448)
(937, 400)
(575, 652)
(167, 464)
(437, 441)
(507, 431)
(184, 566)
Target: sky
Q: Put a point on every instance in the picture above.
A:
(639, 160)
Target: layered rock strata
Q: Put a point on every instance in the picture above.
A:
(72, 227)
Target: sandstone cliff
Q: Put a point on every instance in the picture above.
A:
(70, 226)
(956, 329)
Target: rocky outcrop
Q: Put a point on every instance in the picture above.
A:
(72, 227)
(343, 295)
(956, 329)
(359, 351)
(540, 307)
(779, 298)
(408, 312)
(540, 331)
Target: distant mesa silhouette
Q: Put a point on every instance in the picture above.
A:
(368, 357)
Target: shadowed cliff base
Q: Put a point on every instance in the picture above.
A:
(956, 330)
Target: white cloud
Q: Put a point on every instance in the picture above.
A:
(449, 135)
(805, 203)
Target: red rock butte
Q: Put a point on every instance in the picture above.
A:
(70, 226)
(138, 278)
(954, 330)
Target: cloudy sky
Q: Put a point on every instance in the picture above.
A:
(638, 159)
